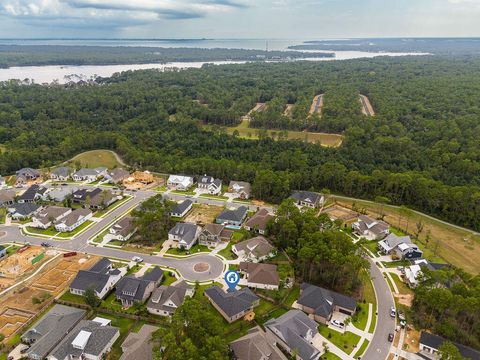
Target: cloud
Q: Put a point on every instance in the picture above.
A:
(112, 13)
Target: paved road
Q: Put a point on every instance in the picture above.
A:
(185, 266)
(379, 347)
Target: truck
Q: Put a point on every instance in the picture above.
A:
(71, 253)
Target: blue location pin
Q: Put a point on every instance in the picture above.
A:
(232, 278)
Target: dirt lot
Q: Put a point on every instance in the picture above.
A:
(136, 185)
(25, 301)
(203, 214)
(339, 212)
(288, 110)
(412, 341)
(317, 104)
(367, 108)
(18, 265)
(404, 299)
(258, 108)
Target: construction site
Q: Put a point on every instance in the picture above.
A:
(367, 108)
(317, 104)
(30, 280)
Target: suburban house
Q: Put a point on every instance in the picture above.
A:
(28, 173)
(233, 305)
(233, 217)
(430, 345)
(89, 339)
(308, 199)
(117, 176)
(213, 234)
(400, 247)
(370, 229)
(212, 185)
(101, 277)
(186, 234)
(240, 189)
(47, 333)
(166, 299)
(321, 303)
(294, 332)
(413, 273)
(3, 251)
(261, 276)
(259, 221)
(255, 249)
(60, 193)
(81, 195)
(20, 181)
(256, 345)
(7, 197)
(89, 175)
(137, 345)
(179, 182)
(23, 211)
(131, 289)
(61, 173)
(33, 193)
(181, 209)
(48, 216)
(96, 199)
(123, 229)
(73, 220)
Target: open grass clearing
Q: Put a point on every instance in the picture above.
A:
(447, 243)
(359, 320)
(96, 158)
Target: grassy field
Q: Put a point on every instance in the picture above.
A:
(96, 158)
(324, 139)
(446, 243)
(362, 349)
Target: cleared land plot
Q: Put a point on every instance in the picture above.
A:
(338, 212)
(203, 214)
(367, 108)
(324, 139)
(259, 107)
(288, 110)
(317, 104)
(22, 303)
(447, 242)
(96, 158)
(17, 266)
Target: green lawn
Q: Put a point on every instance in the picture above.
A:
(329, 356)
(99, 238)
(76, 231)
(125, 326)
(3, 212)
(194, 249)
(216, 197)
(167, 278)
(188, 192)
(372, 246)
(116, 242)
(237, 236)
(12, 249)
(362, 349)
(359, 320)
(394, 264)
(161, 188)
(101, 213)
(227, 253)
(77, 299)
(292, 296)
(402, 287)
(96, 158)
(51, 231)
(371, 329)
(345, 342)
(367, 288)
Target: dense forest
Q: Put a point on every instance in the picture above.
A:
(30, 55)
(421, 149)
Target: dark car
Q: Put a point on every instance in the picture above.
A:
(24, 350)
(390, 337)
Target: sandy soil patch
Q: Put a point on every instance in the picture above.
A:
(203, 214)
(367, 108)
(317, 104)
(201, 267)
(288, 110)
(404, 299)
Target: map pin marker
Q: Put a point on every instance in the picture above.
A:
(232, 278)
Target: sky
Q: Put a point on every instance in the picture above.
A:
(259, 19)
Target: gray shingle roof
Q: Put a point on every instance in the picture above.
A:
(62, 171)
(293, 327)
(155, 275)
(233, 215)
(232, 303)
(435, 342)
(323, 300)
(307, 197)
(131, 288)
(257, 246)
(97, 276)
(163, 294)
(100, 337)
(137, 346)
(24, 209)
(31, 193)
(74, 216)
(51, 328)
(6, 196)
(185, 231)
(28, 172)
(180, 208)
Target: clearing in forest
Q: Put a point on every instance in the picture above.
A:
(288, 110)
(438, 240)
(367, 108)
(97, 158)
(317, 104)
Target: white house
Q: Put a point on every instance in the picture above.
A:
(89, 175)
(73, 220)
(186, 234)
(179, 182)
(48, 216)
(209, 184)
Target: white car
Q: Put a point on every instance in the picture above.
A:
(338, 324)
(393, 312)
(137, 259)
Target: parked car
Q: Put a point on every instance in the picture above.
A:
(393, 312)
(338, 324)
(137, 259)
(390, 337)
(24, 350)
